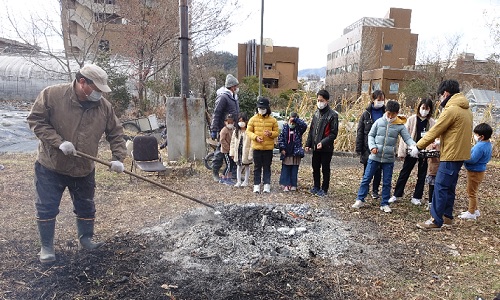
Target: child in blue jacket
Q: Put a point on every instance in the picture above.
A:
(290, 143)
(480, 155)
(382, 141)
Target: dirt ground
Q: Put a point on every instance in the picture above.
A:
(387, 256)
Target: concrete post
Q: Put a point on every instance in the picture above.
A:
(186, 128)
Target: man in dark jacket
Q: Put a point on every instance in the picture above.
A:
(322, 134)
(372, 113)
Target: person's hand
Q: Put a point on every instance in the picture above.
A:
(67, 148)
(414, 151)
(374, 151)
(213, 135)
(232, 157)
(116, 166)
(267, 133)
(319, 146)
(307, 149)
(283, 152)
(259, 139)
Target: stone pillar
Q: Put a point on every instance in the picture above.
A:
(186, 128)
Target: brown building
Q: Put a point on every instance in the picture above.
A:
(368, 44)
(280, 65)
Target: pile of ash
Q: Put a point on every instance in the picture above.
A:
(243, 236)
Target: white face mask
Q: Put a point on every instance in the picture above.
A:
(378, 104)
(262, 111)
(230, 126)
(321, 105)
(241, 124)
(94, 96)
(424, 112)
(237, 90)
(390, 120)
(476, 138)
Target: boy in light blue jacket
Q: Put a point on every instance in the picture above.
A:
(480, 155)
(382, 141)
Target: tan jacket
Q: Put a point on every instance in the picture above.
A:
(247, 152)
(225, 139)
(411, 125)
(256, 127)
(58, 116)
(454, 128)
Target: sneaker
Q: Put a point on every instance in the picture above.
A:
(447, 222)
(286, 189)
(314, 190)
(238, 184)
(244, 183)
(294, 188)
(321, 193)
(467, 215)
(375, 195)
(393, 199)
(227, 181)
(477, 213)
(415, 201)
(358, 204)
(256, 188)
(267, 188)
(428, 225)
(386, 209)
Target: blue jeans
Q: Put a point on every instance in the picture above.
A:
(371, 168)
(445, 185)
(288, 176)
(50, 186)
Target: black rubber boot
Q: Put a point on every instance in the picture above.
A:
(85, 233)
(46, 229)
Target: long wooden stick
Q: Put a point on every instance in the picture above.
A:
(145, 179)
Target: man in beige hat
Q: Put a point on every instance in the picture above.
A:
(67, 117)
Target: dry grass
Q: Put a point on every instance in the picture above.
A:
(457, 264)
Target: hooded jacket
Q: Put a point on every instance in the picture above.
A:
(453, 128)
(256, 127)
(58, 116)
(364, 125)
(225, 104)
(324, 129)
(384, 136)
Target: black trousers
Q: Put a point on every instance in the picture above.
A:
(377, 177)
(262, 160)
(321, 162)
(408, 165)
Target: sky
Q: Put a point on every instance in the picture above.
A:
(313, 24)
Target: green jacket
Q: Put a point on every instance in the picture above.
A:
(453, 128)
(58, 116)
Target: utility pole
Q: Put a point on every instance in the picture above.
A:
(261, 48)
(183, 25)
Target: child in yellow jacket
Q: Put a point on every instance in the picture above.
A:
(262, 129)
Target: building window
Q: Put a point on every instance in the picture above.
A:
(365, 87)
(388, 47)
(104, 45)
(375, 86)
(105, 1)
(270, 83)
(394, 88)
(268, 66)
(107, 18)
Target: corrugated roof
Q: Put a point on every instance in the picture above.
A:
(483, 97)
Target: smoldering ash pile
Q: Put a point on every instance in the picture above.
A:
(243, 236)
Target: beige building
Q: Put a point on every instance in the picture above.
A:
(368, 44)
(280, 65)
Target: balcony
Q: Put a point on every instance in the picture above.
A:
(272, 74)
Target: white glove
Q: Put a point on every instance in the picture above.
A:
(414, 151)
(67, 148)
(116, 166)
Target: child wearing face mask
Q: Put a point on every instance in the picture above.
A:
(382, 141)
(262, 129)
(240, 151)
(480, 155)
(372, 113)
(290, 145)
(417, 124)
(225, 141)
